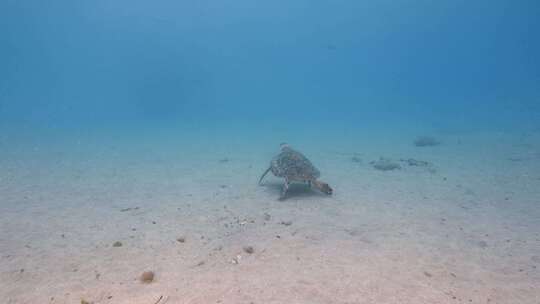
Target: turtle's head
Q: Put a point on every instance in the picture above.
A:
(323, 187)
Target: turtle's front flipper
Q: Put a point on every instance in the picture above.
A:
(284, 190)
(265, 172)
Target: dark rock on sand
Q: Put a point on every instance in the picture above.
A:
(385, 164)
(482, 244)
(415, 163)
(248, 249)
(426, 141)
(356, 159)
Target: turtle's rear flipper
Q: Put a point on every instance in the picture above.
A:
(262, 176)
(323, 187)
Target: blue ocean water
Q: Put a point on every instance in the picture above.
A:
(149, 123)
(367, 64)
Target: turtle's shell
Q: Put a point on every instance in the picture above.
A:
(293, 165)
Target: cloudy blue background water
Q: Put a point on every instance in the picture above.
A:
(69, 66)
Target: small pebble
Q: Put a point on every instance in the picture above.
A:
(181, 239)
(117, 244)
(147, 277)
(249, 249)
(482, 244)
(286, 223)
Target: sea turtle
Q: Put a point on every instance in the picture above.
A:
(295, 167)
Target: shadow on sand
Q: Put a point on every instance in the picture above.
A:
(296, 190)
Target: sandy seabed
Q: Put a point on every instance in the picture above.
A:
(464, 230)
